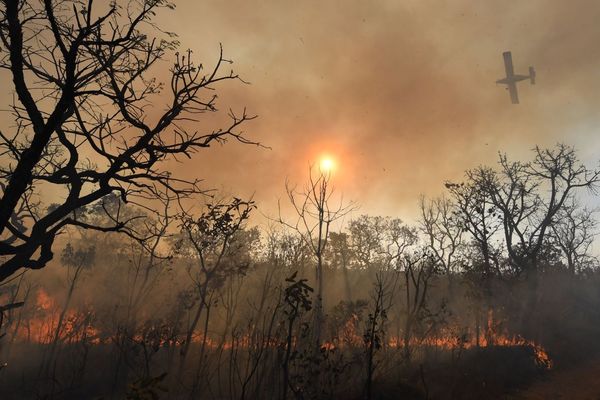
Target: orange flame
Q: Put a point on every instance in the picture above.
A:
(77, 327)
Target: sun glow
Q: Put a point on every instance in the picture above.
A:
(326, 165)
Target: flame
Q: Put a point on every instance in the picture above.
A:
(44, 301)
(77, 326)
(447, 339)
(42, 327)
(455, 342)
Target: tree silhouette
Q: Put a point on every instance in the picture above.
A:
(530, 196)
(315, 212)
(84, 126)
(574, 232)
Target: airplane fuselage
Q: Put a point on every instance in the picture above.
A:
(511, 78)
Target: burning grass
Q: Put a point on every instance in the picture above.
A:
(78, 326)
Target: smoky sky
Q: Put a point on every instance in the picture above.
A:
(401, 93)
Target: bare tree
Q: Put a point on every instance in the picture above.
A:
(418, 270)
(530, 196)
(477, 215)
(443, 232)
(574, 232)
(316, 212)
(84, 130)
(521, 201)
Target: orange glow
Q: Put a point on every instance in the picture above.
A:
(44, 301)
(78, 326)
(327, 165)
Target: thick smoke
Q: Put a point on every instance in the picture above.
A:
(402, 92)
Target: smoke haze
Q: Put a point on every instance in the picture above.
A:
(402, 94)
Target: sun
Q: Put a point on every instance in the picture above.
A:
(326, 165)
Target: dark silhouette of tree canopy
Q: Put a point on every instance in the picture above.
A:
(84, 129)
(530, 196)
(574, 233)
(522, 201)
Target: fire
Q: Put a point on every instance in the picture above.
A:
(43, 325)
(454, 342)
(488, 336)
(77, 326)
(44, 301)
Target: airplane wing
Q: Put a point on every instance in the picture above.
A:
(512, 89)
(518, 78)
(508, 64)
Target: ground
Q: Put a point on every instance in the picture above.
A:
(576, 383)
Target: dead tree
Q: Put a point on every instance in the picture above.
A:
(81, 75)
(316, 212)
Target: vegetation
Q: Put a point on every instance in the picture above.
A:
(493, 285)
(219, 309)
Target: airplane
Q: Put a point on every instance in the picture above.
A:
(511, 79)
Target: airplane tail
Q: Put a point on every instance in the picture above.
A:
(532, 75)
